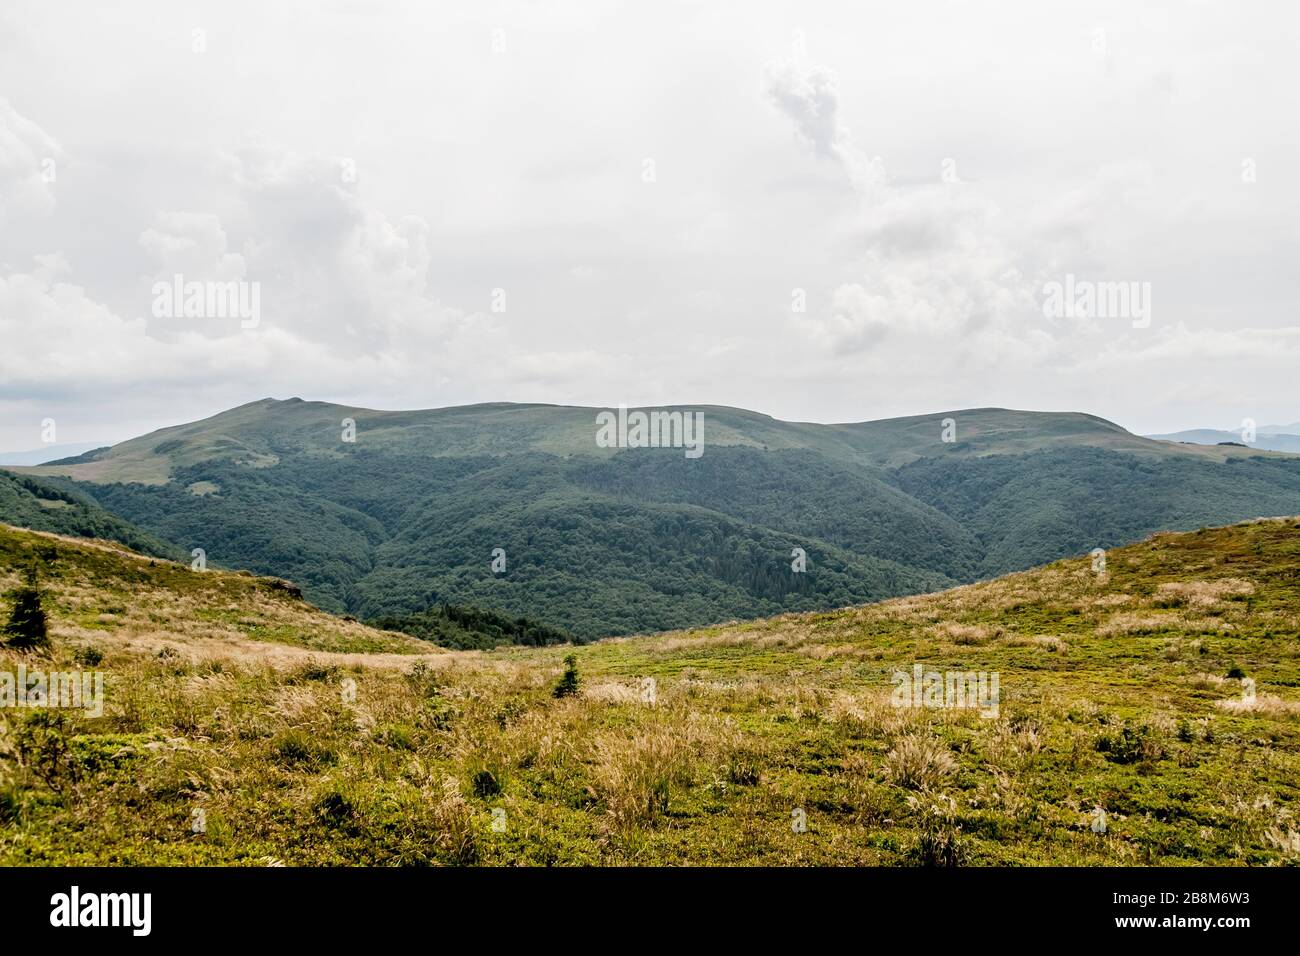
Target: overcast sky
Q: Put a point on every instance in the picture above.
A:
(649, 190)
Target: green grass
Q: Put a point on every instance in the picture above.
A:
(302, 756)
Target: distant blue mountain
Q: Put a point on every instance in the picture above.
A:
(1268, 438)
(39, 456)
(1292, 429)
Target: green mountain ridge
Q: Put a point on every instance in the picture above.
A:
(260, 432)
(607, 541)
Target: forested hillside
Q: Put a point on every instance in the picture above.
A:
(43, 506)
(519, 510)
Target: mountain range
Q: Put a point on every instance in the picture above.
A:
(39, 456)
(1268, 437)
(518, 509)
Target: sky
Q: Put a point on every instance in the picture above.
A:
(821, 211)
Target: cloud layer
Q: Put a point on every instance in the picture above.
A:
(431, 220)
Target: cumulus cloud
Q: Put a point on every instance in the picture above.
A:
(346, 304)
(331, 268)
(1177, 344)
(193, 244)
(331, 265)
(944, 271)
(935, 264)
(29, 162)
(808, 96)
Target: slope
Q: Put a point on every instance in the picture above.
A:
(99, 591)
(1122, 732)
(33, 503)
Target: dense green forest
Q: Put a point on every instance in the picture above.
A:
(470, 628)
(375, 534)
(44, 505)
(1030, 509)
(411, 515)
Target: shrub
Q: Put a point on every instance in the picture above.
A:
(510, 712)
(88, 656)
(26, 629)
(14, 802)
(396, 736)
(279, 586)
(939, 844)
(311, 670)
(570, 682)
(486, 784)
(1130, 745)
(744, 770)
(335, 810)
(296, 750)
(44, 747)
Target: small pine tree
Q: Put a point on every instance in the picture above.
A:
(568, 685)
(26, 629)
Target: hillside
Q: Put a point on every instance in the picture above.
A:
(97, 589)
(33, 503)
(241, 726)
(604, 541)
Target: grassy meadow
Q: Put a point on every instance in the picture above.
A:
(243, 726)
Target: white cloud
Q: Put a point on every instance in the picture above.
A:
(346, 305)
(808, 95)
(937, 267)
(522, 170)
(191, 243)
(29, 165)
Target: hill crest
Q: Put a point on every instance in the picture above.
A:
(259, 433)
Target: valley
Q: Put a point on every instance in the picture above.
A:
(380, 513)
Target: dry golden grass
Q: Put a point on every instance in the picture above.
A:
(962, 633)
(919, 762)
(634, 777)
(1201, 595)
(1259, 704)
(1154, 623)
